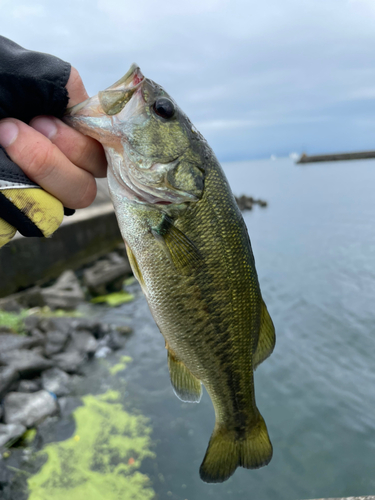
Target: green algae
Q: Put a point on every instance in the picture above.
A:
(114, 299)
(29, 436)
(47, 312)
(119, 367)
(13, 321)
(101, 460)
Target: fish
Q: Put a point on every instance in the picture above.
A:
(189, 248)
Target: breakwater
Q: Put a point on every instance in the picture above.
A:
(360, 155)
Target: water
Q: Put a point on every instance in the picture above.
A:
(314, 247)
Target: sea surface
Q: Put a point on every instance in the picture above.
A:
(314, 247)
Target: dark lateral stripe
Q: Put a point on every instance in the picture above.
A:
(18, 219)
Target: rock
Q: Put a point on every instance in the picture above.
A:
(103, 351)
(123, 330)
(9, 432)
(246, 202)
(115, 341)
(60, 324)
(28, 409)
(14, 341)
(66, 293)
(105, 273)
(31, 322)
(83, 342)
(26, 299)
(56, 341)
(68, 404)
(5, 329)
(10, 304)
(26, 363)
(8, 375)
(56, 381)
(69, 362)
(5, 493)
(29, 385)
(97, 328)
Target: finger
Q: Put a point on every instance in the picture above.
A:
(80, 149)
(76, 89)
(46, 165)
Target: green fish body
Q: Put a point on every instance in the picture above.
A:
(190, 250)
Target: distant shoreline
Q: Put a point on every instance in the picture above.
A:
(361, 155)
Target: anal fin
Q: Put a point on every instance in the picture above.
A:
(186, 387)
(267, 339)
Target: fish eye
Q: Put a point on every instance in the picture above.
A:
(164, 107)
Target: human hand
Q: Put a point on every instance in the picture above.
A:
(61, 160)
(51, 155)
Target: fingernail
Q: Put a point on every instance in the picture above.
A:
(8, 133)
(45, 126)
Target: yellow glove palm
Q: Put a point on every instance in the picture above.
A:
(30, 207)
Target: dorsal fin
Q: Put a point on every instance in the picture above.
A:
(267, 339)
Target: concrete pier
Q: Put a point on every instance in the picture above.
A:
(348, 498)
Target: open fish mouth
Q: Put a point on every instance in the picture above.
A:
(110, 101)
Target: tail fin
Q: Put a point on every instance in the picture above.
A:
(226, 452)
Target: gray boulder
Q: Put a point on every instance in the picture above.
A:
(29, 385)
(103, 350)
(115, 341)
(10, 432)
(83, 342)
(8, 375)
(56, 341)
(28, 409)
(14, 341)
(26, 363)
(70, 362)
(105, 273)
(60, 324)
(31, 322)
(66, 293)
(56, 381)
(26, 299)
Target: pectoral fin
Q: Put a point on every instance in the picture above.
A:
(186, 387)
(267, 339)
(134, 265)
(179, 249)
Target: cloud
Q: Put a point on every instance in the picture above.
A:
(279, 69)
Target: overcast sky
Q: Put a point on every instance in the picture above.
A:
(256, 77)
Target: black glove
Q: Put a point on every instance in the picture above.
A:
(31, 84)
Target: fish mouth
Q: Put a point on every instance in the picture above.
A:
(94, 117)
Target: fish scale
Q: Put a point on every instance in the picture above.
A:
(189, 248)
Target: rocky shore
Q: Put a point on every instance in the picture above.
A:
(42, 356)
(247, 202)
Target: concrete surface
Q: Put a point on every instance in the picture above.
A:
(81, 239)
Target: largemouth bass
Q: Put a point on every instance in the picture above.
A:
(190, 251)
